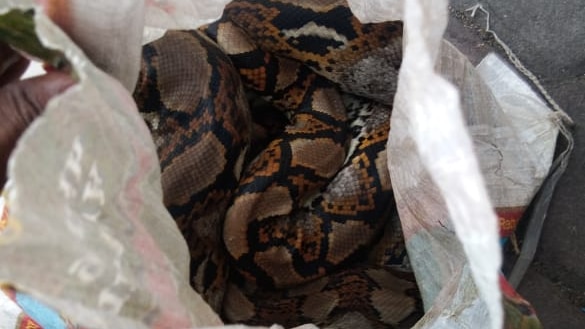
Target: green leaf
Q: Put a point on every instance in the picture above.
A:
(17, 29)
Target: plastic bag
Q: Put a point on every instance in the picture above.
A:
(98, 244)
(449, 222)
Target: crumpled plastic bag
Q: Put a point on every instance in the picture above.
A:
(85, 196)
(438, 186)
(87, 231)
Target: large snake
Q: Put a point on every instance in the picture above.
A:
(281, 236)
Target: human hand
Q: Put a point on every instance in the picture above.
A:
(21, 101)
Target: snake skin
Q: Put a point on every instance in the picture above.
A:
(281, 236)
(194, 104)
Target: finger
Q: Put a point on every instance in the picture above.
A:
(12, 65)
(20, 103)
(30, 96)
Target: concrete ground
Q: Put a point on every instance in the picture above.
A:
(549, 38)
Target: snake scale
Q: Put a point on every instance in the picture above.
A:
(280, 235)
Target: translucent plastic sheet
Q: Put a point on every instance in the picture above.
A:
(87, 232)
(439, 189)
(85, 196)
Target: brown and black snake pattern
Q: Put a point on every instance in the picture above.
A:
(194, 104)
(325, 36)
(289, 223)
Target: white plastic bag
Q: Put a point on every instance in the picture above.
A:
(448, 219)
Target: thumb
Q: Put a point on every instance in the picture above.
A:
(20, 103)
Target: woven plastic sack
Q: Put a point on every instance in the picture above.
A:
(104, 177)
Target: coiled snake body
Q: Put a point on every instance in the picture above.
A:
(293, 225)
